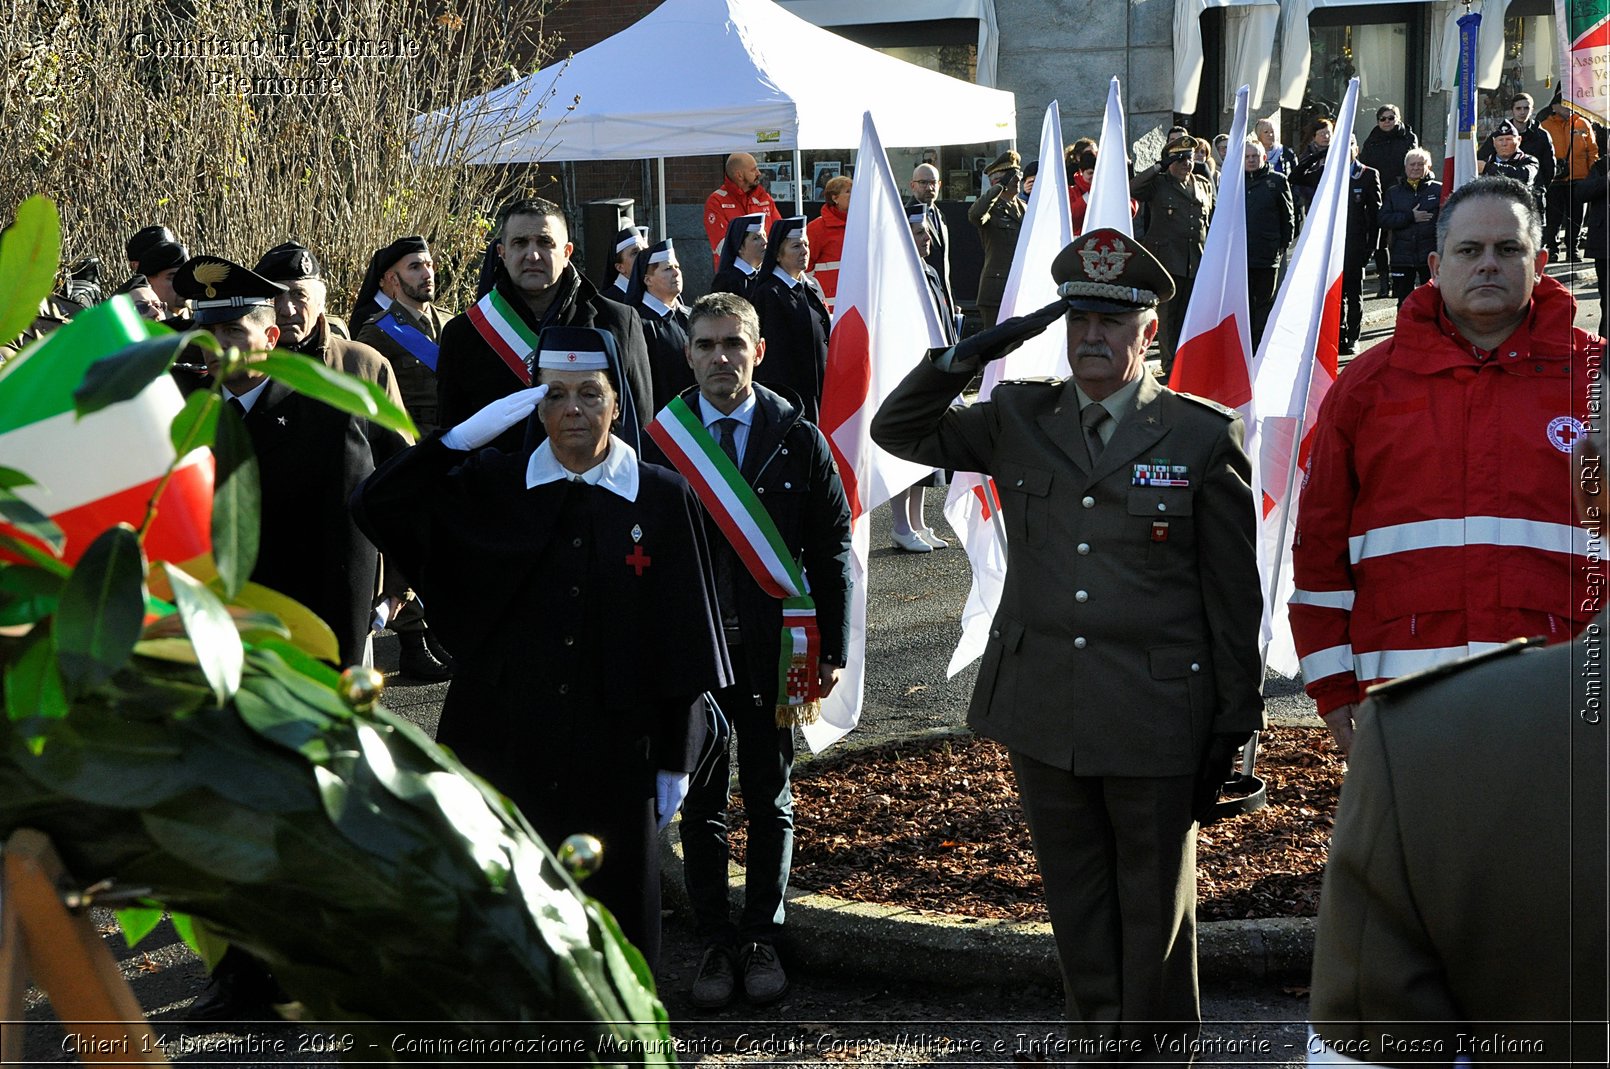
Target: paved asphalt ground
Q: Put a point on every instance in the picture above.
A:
(914, 608)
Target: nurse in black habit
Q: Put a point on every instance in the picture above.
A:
(576, 581)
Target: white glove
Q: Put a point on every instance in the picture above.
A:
(491, 421)
(670, 790)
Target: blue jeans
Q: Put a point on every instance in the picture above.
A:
(765, 759)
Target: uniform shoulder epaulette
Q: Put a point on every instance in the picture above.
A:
(1039, 380)
(1397, 688)
(1207, 403)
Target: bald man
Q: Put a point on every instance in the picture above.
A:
(924, 188)
(740, 194)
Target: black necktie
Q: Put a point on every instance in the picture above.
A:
(1092, 416)
(729, 440)
(240, 409)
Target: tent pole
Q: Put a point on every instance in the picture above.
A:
(799, 186)
(663, 224)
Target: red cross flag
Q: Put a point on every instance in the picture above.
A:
(883, 320)
(1294, 369)
(972, 506)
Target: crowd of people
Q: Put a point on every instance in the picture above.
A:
(622, 517)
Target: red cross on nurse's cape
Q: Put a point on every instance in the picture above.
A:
(638, 560)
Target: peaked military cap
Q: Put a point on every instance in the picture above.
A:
(288, 262)
(221, 291)
(1506, 129)
(1105, 270)
(1006, 161)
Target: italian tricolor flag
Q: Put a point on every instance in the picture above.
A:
(1584, 30)
(94, 472)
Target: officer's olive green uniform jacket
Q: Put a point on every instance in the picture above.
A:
(1466, 881)
(998, 218)
(1128, 628)
(1176, 231)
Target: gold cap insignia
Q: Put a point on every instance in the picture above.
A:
(210, 275)
(1105, 263)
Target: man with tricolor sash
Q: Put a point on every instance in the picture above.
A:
(488, 352)
(779, 522)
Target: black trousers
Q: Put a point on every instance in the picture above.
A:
(1352, 301)
(1563, 208)
(1405, 277)
(1260, 299)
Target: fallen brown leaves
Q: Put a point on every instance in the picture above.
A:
(936, 825)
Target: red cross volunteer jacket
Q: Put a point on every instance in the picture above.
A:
(1437, 517)
(727, 204)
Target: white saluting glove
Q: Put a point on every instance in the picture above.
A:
(670, 790)
(491, 421)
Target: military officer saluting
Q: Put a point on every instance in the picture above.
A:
(1122, 670)
(998, 216)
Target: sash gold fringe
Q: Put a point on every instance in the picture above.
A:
(798, 715)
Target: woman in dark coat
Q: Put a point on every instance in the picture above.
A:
(1408, 218)
(1384, 149)
(793, 316)
(583, 609)
(741, 254)
(655, 290)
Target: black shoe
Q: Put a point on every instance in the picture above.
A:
(418, 662)
(1347, 348)
(240, 989)
(1384, 292)
(437, 650)
(717, 981)
(764, 979)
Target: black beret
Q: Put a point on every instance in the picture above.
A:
(289, 262)
(146, 237)
(387, 257)
(161, 256)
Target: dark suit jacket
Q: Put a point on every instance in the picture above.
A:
(310, 457)
(789, 464)
(1453, 903)
(1128, 629)
(470, 375)
(939, 257)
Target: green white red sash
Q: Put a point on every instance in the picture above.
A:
(737, 510)
(503, 329)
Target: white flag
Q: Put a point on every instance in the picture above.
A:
(883, 321)
(972, 506)
(1294, 369)
(1109, 186)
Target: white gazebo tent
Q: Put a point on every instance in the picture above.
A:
(709, 77)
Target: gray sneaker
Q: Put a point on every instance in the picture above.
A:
(713, 987)
(764, 979)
